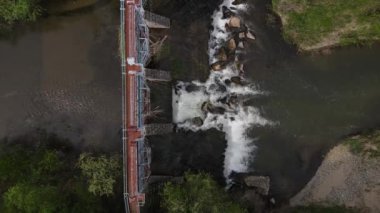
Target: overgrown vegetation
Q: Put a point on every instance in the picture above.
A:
(366, 144)
(18, 11)
(100, 172)
(198, 193)
(316, 24)
(41, 174)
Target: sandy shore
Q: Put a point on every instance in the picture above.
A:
(343, 179)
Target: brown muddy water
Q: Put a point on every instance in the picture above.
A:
(62, 75)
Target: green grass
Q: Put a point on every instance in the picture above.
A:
(308, 22)
(366, 144)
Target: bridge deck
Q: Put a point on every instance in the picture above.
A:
(134, 53)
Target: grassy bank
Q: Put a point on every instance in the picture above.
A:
(319, 24)
(367, 144)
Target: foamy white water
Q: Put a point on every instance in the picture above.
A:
(227, 112)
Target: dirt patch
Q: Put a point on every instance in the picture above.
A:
(343, 179)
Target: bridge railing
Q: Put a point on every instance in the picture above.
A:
(144, 160)
(155, 18)
(124, 113)
(142, 36)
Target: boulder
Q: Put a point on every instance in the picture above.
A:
(241, 35)
(236, 80)
(260, 183)
(217, 110)
(227, 82)
(241, 45)
(192, 88)
(254, 201)
(232, 99)
(234, 22)
(197, 121)
(221, 55)
(208, 107)
(231, 44)
(250, 35)
(218, 66)
(204, 106)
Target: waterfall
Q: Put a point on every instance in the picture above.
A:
(220, 101)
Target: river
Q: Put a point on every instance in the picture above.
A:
(62, 74)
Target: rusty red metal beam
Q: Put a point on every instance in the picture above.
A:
(130, 111)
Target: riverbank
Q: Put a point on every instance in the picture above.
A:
(325, 24)
(348, 176)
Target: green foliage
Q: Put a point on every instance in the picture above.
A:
(41, 175)
(199, 193)
(19, 10)
(12, 165)
(49, 163)
(309, 22)
(30, 199)
(101, 172)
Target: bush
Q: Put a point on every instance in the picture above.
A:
(101, 173)
(198, 193)
(12, 11)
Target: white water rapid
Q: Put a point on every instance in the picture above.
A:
(219, 102)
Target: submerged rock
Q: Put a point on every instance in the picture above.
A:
(241, 45)
(217, 110)
(197, 121)
(218, 66)
(231, 44)
(192, 88)
(254, 201)
(241, 35)
(260, 183)
(208, 107)
(221, 55)
(236, 80)
(204, 106)
(227, 82)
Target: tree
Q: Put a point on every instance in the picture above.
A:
(29, 199)
(198, 193)
(101, 172)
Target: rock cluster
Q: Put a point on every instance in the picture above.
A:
(239, 35)
(228, 53)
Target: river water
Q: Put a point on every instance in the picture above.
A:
(62, 75)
